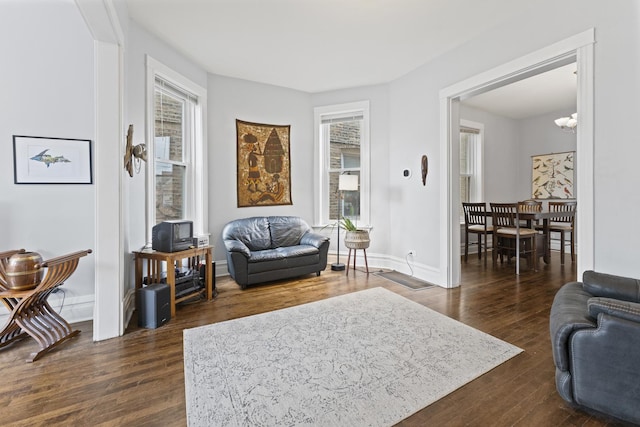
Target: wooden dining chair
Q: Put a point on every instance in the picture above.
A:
(530, 206)
(475, 221)
(564, 225)
(510, 238)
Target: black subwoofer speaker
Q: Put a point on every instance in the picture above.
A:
(154, 305)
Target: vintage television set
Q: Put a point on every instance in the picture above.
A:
(172, 236)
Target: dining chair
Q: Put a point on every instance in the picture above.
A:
(530, 206)
(564, 225)
(510, 237)
(475, 221)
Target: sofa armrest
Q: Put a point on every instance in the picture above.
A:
(613, 307)
(569, 314)
(611, 286)
(605, 368)
(237, 246)
(313, 239)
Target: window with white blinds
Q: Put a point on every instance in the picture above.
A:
(471, 189)
(342, 139)
(176, 169)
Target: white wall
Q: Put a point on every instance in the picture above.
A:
(231, 99)
(501, 154)
(509, 145)
(139, 44)
(414, 124)
(415, 120)
(381, 192)
(47, 90)
(540, 135)
(403, 207)
(47, 81)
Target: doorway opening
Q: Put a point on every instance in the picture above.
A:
(578, 49)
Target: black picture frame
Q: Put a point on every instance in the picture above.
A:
(51, 160)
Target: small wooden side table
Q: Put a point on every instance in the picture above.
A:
(157, 261)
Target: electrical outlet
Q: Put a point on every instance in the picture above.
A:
(411, 252)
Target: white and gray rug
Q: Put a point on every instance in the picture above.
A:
(369, 358)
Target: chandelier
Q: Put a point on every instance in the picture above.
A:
(568, 123)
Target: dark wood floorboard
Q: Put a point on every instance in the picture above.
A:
(138, 379)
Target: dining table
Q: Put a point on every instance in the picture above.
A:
(546, 216)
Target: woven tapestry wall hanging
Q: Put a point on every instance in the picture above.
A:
(264, 166)
(552, 176)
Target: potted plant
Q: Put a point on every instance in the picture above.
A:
(355, 238)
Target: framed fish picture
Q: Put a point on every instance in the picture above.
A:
(44, 160)
(552, 176)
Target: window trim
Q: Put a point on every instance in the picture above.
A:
(196, 180)
(321, 166)
(476, 189)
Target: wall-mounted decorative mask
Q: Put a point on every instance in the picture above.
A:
(425, 169)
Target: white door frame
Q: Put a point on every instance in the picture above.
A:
(578, 48)
(110, 225)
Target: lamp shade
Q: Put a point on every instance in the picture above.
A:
(568, 122)
(348, 183)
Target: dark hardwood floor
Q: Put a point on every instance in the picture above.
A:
(138, 379)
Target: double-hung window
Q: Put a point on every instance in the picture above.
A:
(342, 147)
(176, 181)
(471, 188)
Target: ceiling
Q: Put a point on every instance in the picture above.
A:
(553, 90)
(321, 45)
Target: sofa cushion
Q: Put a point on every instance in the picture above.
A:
(282, 253)
(253, 232)
(283, 258)
(286, 230)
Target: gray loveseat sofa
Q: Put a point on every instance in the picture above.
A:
(595, 338)
(262, 249)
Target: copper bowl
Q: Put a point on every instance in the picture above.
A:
(24, 271)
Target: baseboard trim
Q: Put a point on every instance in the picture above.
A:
(375, 261)
(405, 266)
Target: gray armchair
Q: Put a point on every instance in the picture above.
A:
(595, 337)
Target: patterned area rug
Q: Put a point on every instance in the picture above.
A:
(369, 358)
